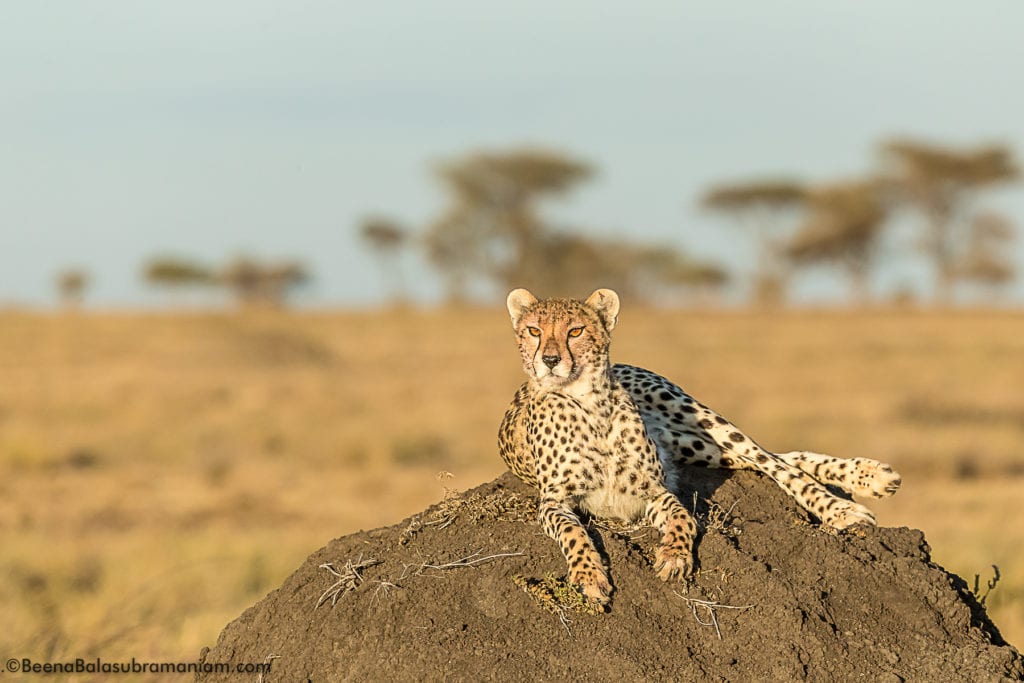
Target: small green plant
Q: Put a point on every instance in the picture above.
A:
(558, 596)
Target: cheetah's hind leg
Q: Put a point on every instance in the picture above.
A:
(860, 477)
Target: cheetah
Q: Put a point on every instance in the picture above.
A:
(612, 440)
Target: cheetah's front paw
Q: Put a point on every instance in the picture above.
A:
(593, 582)
(672, 563)
(845, 513)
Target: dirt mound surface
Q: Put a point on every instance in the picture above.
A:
(470, 589)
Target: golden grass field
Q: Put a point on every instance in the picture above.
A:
(161, 472)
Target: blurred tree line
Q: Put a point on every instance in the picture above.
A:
(493, 234)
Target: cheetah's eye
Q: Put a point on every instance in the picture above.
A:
(576, 331)
(534, 331)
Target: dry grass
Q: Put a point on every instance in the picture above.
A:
(159, 473)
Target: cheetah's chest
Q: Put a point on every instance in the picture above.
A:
(592, 448)
(622, 477)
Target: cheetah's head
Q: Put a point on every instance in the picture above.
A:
(561, 339)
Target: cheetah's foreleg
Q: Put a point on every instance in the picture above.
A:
(674, 557)
(585, 566)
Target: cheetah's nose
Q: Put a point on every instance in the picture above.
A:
(551, 361)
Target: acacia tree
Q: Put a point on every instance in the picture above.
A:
(258, 283)
(493, 231)
(767, 208)
(176, 273)
(492, 228)
(943, 184)
(387, 238)
(71, 286)
(844, 225)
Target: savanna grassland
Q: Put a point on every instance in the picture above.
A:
(160, 473)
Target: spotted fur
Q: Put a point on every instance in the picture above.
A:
(612, 440)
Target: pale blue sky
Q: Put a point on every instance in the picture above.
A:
(208, 129)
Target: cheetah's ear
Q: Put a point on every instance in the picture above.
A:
(518, 301)
(606, 303)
